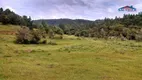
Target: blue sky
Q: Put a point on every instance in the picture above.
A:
(74, 9)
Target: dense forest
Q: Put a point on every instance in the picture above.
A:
(127, 28)
(62, 21)
(9, 17)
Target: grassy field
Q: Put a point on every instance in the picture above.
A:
(71, 59)
(8, 27)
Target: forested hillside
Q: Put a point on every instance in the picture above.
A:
(9, 17)
(68, 49)
(62, 21)
(127, 28)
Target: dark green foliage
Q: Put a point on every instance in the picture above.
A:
(49, 29)
(59, 31)
(51, 34)
(9, 17)
(84, 33)
(62, 21)
(62, 26)
(126, 28)
(36, 36)
(129, 27)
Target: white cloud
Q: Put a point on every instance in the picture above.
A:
(8, 7)
(86, 9)
(110, 10)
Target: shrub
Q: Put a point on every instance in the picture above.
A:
(138, 37)
(23, 36)
(52, 43)
(51, 34)
(26, 36)
(44, 42)
(58, 37)
(36, 36)
(78, 38)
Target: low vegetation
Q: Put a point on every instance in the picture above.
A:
(109, 49)
(27, 36)
(71, 58)
(126, 28)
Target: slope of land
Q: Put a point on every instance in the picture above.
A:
(62, 21)
(72, 58)
(8, 29)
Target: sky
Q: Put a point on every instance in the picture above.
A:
(73, 9)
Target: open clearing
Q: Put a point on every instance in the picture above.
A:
(71, 59)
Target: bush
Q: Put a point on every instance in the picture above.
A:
(138, 37)
(78, 38)
(23, 36)
(36, 36)
(52, 43)
(26, 36)
(44, 42)
(58, 37)
(51, 34)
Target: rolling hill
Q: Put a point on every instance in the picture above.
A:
(63, 21)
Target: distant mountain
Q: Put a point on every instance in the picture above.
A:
(62, 21)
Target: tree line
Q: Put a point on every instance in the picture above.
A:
(129, 27)
(9, 17)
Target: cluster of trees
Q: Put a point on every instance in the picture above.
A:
(27, 36)
(62, 21)
(37, 34)
(9, 17)
(129, 27)
(51, 30)
(31, 33)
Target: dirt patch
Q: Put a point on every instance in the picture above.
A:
(8, 32)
